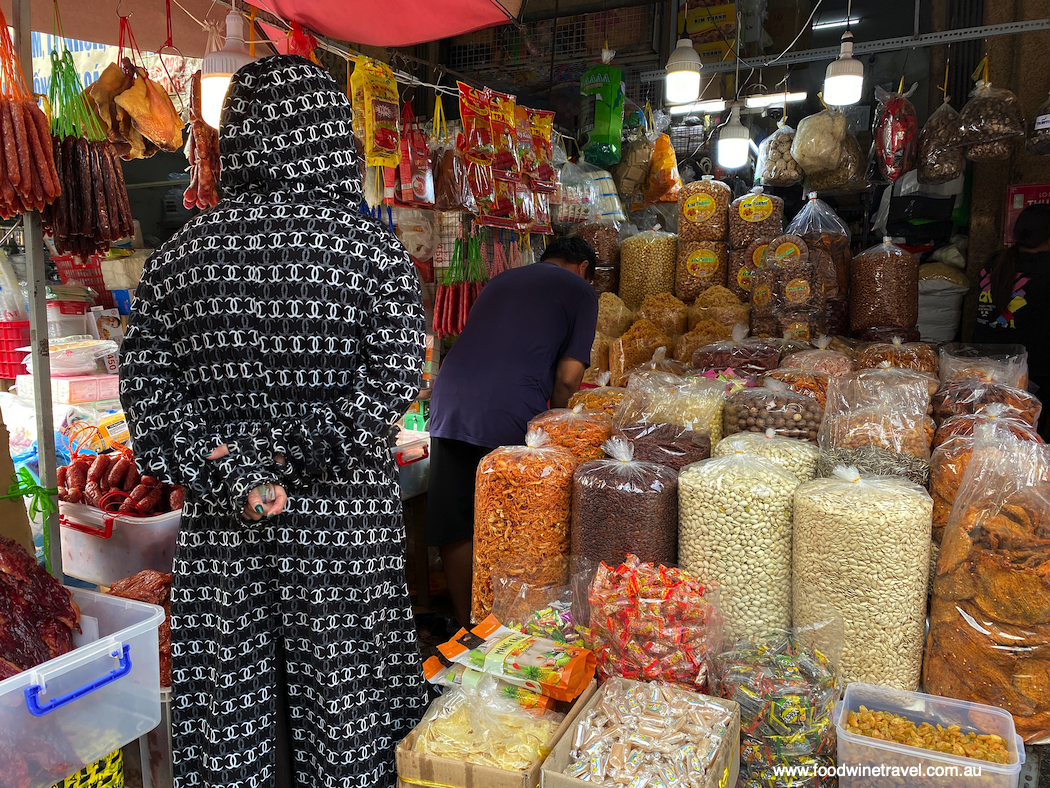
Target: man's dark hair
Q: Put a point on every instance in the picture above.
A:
(571, 250)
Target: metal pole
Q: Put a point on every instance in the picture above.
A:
(37, 272)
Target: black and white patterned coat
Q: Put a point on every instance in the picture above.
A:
(283, 321)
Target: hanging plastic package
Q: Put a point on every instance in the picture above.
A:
(1038, 141)
(940, 162)
(776, 166)
(821, 228)
(990, 123)
(601, 111)
(664, 182)
(415, 170)
(451, 188)
(379, 104)
(896, 133)
(544, 179)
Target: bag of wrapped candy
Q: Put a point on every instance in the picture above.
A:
(540, 611)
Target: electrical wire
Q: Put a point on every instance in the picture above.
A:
(800, 32)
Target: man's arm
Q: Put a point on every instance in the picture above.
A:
(567, 380)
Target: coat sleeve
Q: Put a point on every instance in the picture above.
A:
(393, 352)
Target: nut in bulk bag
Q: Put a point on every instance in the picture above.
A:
(701, 265)
(861, 554)
(647, 266)
(521, 517)
(703, 211)
(623, 506)
(580, 431)
(821, 228)
(753, 216)
(939, 161)
(971, 395)
(794, 456)
(735, 533)
(776, 166)
(990, 614)
(990, 123)
(884, 289)
(773, 406)
(1006, 364)
(743, 263)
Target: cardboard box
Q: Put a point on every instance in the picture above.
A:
(724, 772)
(700, 19)
(76, 390)
(416, 768)
(718, 52)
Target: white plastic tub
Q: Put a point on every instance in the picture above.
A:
(104, 548)
(924, 768)
(95, 699)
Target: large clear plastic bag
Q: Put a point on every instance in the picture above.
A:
(818, 142)
(549, 612)
(703, 210)
(821, 228)
(647, 266)
(989, 124)
(896, 133)
(746, 549)
(580, 431)
(1038, 142)
(604, 238)
(794, 456)
(990, 614)
(581, 200)
(664, 182)
(847, 175)
(873, 461)
(605, 399)
(884, 292)
(521, 517)
(753, 216)
(744, 356)
(623, 506)
(1006, 364)
(614, 316)
(776, 166)
(773, 406)
(973, 395)
(809, 383)
(832, 363)
(939, 161)
(634, 349)
(917, 356)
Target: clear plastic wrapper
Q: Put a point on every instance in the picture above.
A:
(775, 407)
(660, 363)
(1005, 417)
(703, 211)
(580, 431)
(667, 313)
(744, 356)
(647, 266)
(701, 265)
(547, 612)
(872, 461)
(837, 310)
(776, 166)
(884, 292)
(632, 172)
(721, 305)
(461, 676)
(623, 506)
(817, 146)
(988, 617)
(917, 356)
(601, 111)
(989, 124)
(802, 326)
(973, 395)
(1005, 364)
(746, 549)
(658, 397)
(796, 457)
(605, 399)
(862, 553)
(753, 216)
(600, 351)
(823, 359)
(580, 198)
(604, 238)
(606, 279)
(521, 517)
(821, 228)
(653, 623)
(635, 348)
(809, 383)
(704, 332)
(614, 316)
(743, 263)
(939, 161)
(1038, 142)
(847, 175)
(664, 183)
(896, 133)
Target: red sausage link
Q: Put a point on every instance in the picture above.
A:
(74, 495)
(63, 474)
(93, 493)
(149, 503)
(177, 498)
(98, 468)
(131, 480)
(117, 473)
(78, 473)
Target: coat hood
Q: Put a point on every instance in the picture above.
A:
(287, 127)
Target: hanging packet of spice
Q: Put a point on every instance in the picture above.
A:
(601, 111)
(544, 177)
(503, 122)
(526, 148)
(375, 92)
(477, 143)
(414, 170)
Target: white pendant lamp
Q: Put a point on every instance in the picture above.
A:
(734, 142)
(844, 79)
(683, 74)
(219, 67)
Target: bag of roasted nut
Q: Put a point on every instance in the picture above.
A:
(989, 124)
(776, 166)
(753, 216)
(1039, 131)
(938, 161)
(884, 291)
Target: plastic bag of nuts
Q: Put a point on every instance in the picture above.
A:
(742, 265)
(862, 549)
(521, 517)
(773, 406)
(606, 279)
(580, 431)
(817, 146)
(884, 291)
(808, 383)
(776, 166)
(1006, 364)
(735, 533)
(837, 310)
(753, 216)
(604, 238)
(972, 395)
(1038, 142)
(647, 266)
(797, 457)
(821, 228)
(742, 355)
(917, 356)
(703, 211)
(873, 461)
(803, 326)
(701, 265)
(939, 161)
(667, 313)
(623, 506)
(821, 359)
(989, 124)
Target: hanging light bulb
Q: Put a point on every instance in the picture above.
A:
(844, 79)
(733, 142)
(683, 74)
(219, 67)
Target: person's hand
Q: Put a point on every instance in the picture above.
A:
(256, 509)
(219, 453)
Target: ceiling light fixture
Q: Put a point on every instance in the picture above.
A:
(774, 99)
(683, 74)
(709, 107)
(844, 79)
(733, 142)
(219, 67)
(838, 23)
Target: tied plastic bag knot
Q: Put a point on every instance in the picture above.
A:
(536, 439)
(770, 434)
(847, 473)
(822, 342)
(740, 332)
(619, 449)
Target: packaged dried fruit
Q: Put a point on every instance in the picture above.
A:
(647, 266)
(884, 292)
(703, 210)
(889, 727)
(1005, 364)
(939, 161)
(1005, 417)
(580, 431)
(896, 134)
(375, 86)
(918, 356)
(973, 395)
(821, 228)
(521, 516)
(558, 671)
(988, 617)
(653, 623)
(623, 506)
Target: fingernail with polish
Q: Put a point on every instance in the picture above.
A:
(259, 509)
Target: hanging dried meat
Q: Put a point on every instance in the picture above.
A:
(28, 180)
(202, 151)
(154, 588)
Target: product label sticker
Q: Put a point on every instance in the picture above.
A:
(756, 208)
(699, 208)
(758, 259)
(1042, 122)
(797, 291)
(702, 262)
(760, 295)
(743, 279)
(798, 331)
(787, 253)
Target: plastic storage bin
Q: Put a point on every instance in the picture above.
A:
(13, 335)
(412, 455)
(155, 749)
(924, 768)
(103, 548)
(93, 700)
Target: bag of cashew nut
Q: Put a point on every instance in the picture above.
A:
(988, 619)
(862, 553)
(940, 162)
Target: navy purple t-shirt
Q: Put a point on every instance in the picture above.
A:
(500, 372)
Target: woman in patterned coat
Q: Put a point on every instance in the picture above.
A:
(274, 341)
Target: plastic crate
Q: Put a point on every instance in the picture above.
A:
(14, 334)
(155, 749)
(923, 768)
(95, 699)
(88, 273)
(103, 548)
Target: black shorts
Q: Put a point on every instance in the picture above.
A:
(450, 494)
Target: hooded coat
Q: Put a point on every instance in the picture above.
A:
(283, 322)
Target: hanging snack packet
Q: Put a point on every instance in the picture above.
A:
(415, 170)
(503, 123)
(555, 670)
(526, 147)
(939, 162)
(542, 125)
(477, 128)
(896, 133)
(378, 92)
(601, 111)
(664, 181)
